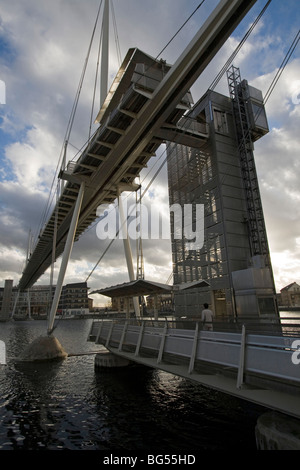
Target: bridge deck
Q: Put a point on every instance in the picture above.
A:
(144, 106)
(257, 368)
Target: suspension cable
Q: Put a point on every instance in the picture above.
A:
(282, 66)
(73, 112)
(278, 74)
(70, 124)
(271, 88)
(119, 56)
(183, 25)
(164, 161)
(95, 88)
(238, 48)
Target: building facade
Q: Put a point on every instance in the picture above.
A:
(211, 173)
(290, 295)
(36, 301)
(74, 299)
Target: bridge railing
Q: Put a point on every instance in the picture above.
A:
(272, 358)
(285, 325)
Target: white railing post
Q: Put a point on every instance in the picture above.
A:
(99, 332)
(194, 349)
(109, 334)
(123, 336)
(240, 376)
(162, 343)
(139, 342)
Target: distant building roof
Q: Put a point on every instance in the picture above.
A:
(77, 284)
(289, 286)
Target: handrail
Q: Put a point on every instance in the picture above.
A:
(260, 368)
(246, 353)
(285, 326)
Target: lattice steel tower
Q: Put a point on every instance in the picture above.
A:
(245, 112)
(217, 170)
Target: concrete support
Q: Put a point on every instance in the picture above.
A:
(65, 259)
(276, 431)
(43, 349)
(15, 304)
(29, 303)
(6, 301)
(128, 253)
(155, 306)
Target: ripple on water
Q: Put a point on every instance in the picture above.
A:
(67, 405)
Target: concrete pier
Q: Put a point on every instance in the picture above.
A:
(42, 349)
(276, 431)
(6, 301)
(107, 360)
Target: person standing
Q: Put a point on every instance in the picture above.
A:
(207, 317)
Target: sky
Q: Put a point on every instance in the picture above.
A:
(43, 47)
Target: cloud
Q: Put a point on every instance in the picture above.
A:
(278, 171)
(29, 164)
(43, 47)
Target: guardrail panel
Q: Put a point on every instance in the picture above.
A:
(180, 346)
(270, 341)
(132, 335)
(225, 354)
(269, 356)
(272, 362)
(117, 333)
(152, 338)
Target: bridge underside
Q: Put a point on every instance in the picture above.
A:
(104, 173)
(143, 107)
(270, 399)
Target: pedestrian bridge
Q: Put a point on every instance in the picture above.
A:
(257, 363)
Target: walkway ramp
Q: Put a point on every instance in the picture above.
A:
(254, 367)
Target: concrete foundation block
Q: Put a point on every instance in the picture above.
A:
(276, 431)
(43, 349)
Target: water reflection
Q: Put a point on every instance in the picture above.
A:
(69, 405)
(146, 409)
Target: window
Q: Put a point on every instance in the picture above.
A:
(266, 305)
(220, 120)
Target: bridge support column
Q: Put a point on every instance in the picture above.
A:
(276, 431)
(128, 253)
(65, 258)
(108, 360)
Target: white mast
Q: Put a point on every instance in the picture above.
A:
(104, 53)
(128, 252)
(103, 94)
(73, 226)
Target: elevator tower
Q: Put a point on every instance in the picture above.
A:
(219, 172)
